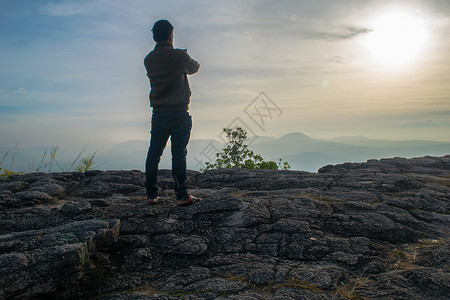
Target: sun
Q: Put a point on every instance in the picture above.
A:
(397, 38)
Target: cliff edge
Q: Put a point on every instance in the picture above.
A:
(374, 230)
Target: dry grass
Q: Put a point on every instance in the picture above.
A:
(232, 277)
(348, 290)
(149, 290)
(401, 259)
(301, 284)
(426, 243)
(325, 199)
(445, 181)
(83, 256)
(236, 193)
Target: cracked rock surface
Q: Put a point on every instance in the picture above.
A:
(374, 230)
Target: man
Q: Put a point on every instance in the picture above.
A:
(167, 69)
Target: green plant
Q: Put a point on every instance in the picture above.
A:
(86, 163)
(4, 156)
(48, 162)
(47, 166)
(83, 255)
(41, 164)
(236, 154)
(5, 172)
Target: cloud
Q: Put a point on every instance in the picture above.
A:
(340, 33)
(423, 124)
(337, 59)
(83, 59)
(65, 8)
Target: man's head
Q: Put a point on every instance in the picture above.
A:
(162, 31)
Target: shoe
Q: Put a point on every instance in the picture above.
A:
(153, 200)
(188, 201)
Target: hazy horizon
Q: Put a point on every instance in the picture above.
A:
(104, 146)
(72, 71)
(300, 151)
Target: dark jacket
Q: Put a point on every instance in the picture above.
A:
(167, 68)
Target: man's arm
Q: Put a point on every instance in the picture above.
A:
(192, 66)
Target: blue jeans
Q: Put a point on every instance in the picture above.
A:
(178, 126)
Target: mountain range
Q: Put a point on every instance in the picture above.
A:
(299, 150)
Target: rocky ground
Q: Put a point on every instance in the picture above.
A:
(375, 230)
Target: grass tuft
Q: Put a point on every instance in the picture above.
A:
(401, 259)
(232, 277)
(325, 199)
(301, 284)
(5, 172)
(83, 256)
(348, 290)
(86, 163)
(236, 193)
(424, 243)
(48, 162)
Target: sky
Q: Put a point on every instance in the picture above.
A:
(72, 73)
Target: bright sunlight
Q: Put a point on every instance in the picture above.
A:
(397, 38)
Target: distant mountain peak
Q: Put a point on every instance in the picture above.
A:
(295, 135)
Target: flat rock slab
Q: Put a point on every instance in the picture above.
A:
(36, 262)
(374, 230)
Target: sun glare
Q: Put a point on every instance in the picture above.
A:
(397, 38)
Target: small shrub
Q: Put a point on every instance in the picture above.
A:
(236, 154)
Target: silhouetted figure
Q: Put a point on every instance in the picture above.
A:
(167, 68)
